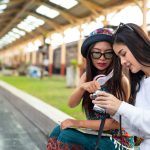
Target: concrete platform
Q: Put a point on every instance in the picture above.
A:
(25, 121)
(16, 131)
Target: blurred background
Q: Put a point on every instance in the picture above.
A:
(43, 37)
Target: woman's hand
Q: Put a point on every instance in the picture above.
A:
(68, 123)
(91, 86)
(108, 102)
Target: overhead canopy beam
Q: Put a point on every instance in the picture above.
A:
(8, 12)
(95, 9)
(74, 21)
(42, 31)
(48, 21)
(70, 18)
(10, 25)
(14, 2)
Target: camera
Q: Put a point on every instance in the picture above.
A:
(101, 79)
(97, 108)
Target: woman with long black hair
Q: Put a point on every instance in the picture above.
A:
(100, 58)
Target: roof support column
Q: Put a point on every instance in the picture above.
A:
(144, 11)
(19, 59)
(27, 58)
(144, 15)
(63, 58)
(50, 53)
(105, 21)
(40, 59)
(21, 56)
(34, 57)
(79, 56)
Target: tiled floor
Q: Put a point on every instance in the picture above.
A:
(16, 131)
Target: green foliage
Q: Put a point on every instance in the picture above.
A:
(51, 90)
(74, 62)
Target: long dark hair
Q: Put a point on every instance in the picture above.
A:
(114, 84)
(139, 44)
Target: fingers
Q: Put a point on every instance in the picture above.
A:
(103, 99)
(67, 123)
(108, 102)
(101, 103)
(100, 95)
(91, 86)
(103, 94)
(97, 85)
(104, 105)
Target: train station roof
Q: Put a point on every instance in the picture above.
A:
(21, 20)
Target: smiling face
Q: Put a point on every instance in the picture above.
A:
(127, 58)
(102, 62)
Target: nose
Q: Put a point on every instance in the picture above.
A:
(102, 57)
(123, 61)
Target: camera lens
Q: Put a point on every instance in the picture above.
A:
(93, 96)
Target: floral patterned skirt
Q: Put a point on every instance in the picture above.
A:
(71, 139)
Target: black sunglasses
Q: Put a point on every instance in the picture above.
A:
(121, 25)
(97, 55)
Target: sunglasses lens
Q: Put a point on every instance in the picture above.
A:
(108, 55)
(96, 55)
